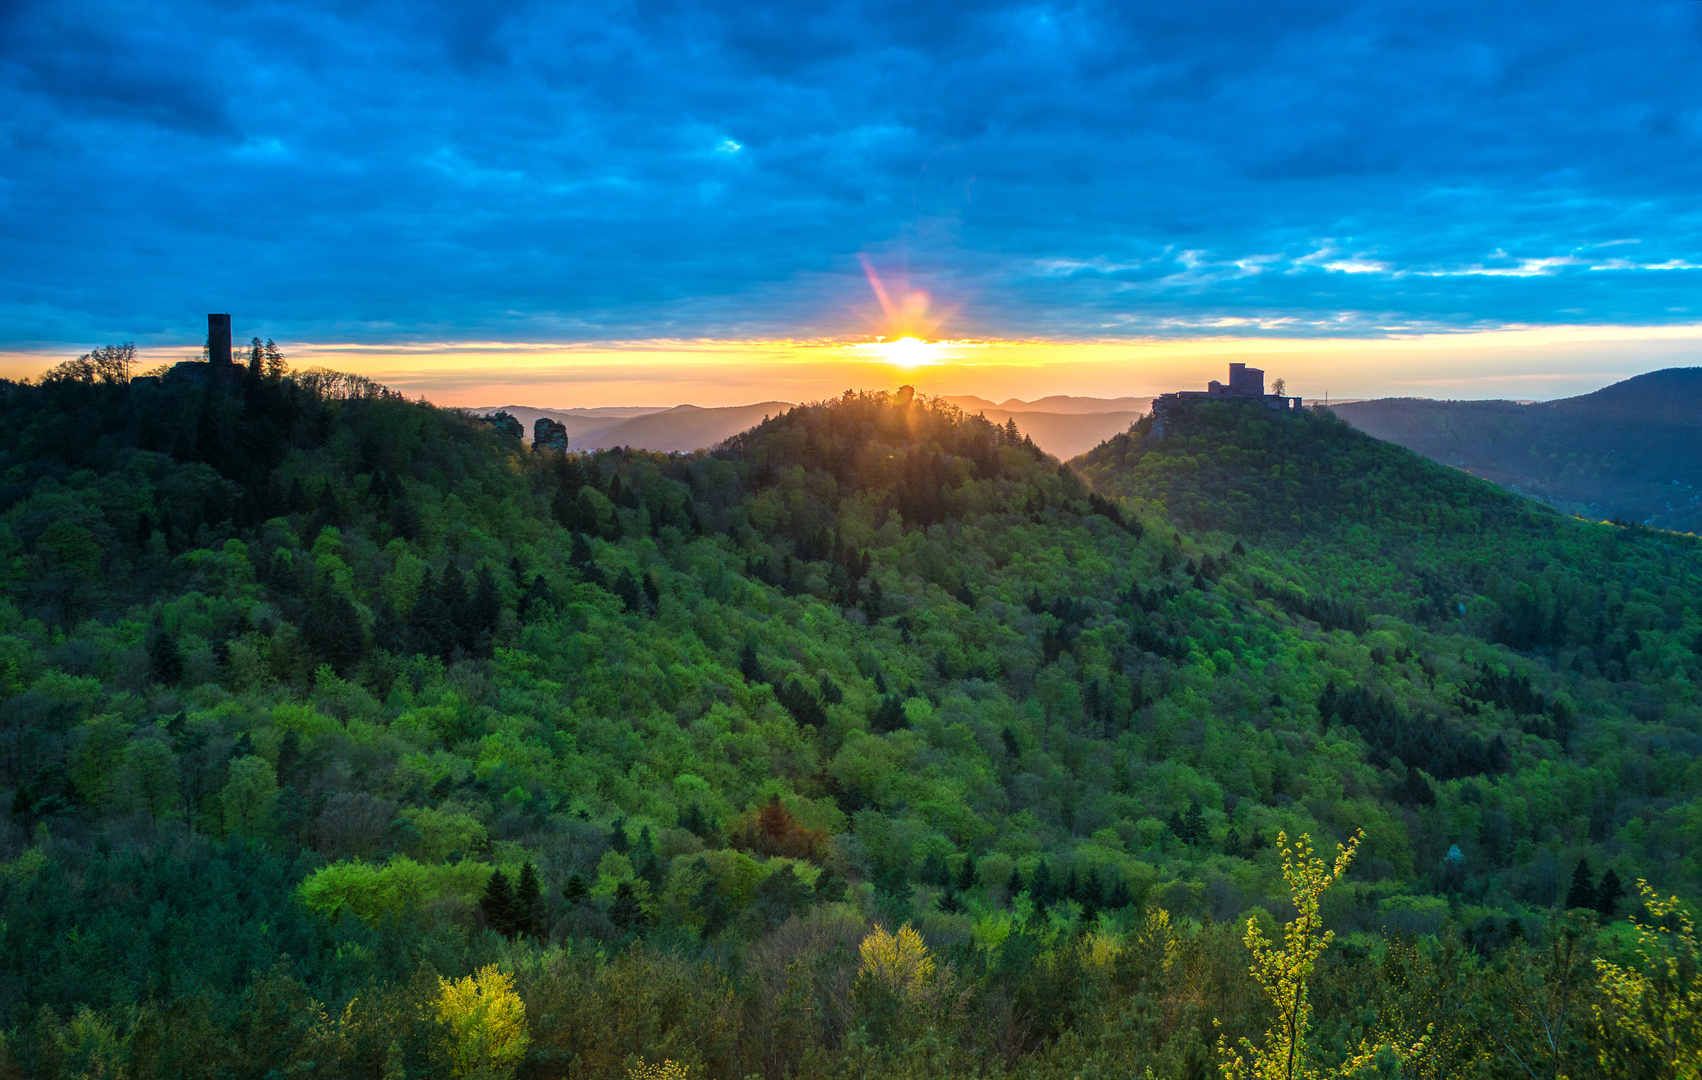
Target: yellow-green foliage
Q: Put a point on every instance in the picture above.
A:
(898, 963)
(1654, 1015)
(486, 1021)
(444, 830)
(371, 892)
(1282, 972)
(662, 1070)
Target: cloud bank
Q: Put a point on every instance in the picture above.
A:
(436, 171)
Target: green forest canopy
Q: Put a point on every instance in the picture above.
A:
(311, 693)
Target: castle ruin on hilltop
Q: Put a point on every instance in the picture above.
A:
(1246, 385)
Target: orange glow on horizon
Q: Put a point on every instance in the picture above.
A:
(1516, 362)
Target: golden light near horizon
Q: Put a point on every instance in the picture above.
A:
(907, 352)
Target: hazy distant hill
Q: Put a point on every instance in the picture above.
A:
(1632, 450)
(1064, 426)
(1058, 403)
(684, 427)
(583, 425)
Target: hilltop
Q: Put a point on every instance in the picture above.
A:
(1630, 451)
(1061, 426)
(311, 694)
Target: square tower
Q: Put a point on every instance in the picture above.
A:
(218, 340)
(1245, 381)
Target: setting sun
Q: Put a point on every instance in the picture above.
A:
(906, 352)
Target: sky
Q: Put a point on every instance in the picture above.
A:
(647, 202)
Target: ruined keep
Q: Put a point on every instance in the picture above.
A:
(1246, 386)
(218, 342)
(549, 434)
(217, 368)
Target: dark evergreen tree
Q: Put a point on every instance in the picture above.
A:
(749, 666)
(1609, 892)
(528, 902)
(165, 662)
(1120, 896)
(1582, 894)
(625, 912)
(1041, 887)
(499, 906)
(831, 692)
(431, 630)
(574, 891)
(452, 593)
(796, 699)
(404, 518)
(537, 598)
(629, 591)
(388, 631)
(289, 756)
(332, 631)
(889, 714)
(564, 508)
(580, 556)
(966, 873)
(487, 604)
(1088, 919)
(619, 843)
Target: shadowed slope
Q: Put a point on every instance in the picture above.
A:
(1632, 450)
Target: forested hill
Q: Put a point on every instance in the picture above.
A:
(311, 696)
(1631, 451)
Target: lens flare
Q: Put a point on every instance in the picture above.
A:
(906, 352)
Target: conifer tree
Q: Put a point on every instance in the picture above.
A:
(528, 901)
(625, 912)
(424, 623)
(628, 589)
(966, 873)
(574, 891)
(749, 666)
(165, 662)
(486, 610)
(452, 591)
(1040, 888)
(1582, 894)
(1121, 895)
(388, 631)
(1608, 893)
(332, 631)
(580, 556)
(499, 905)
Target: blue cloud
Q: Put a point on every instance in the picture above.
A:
(636, 168)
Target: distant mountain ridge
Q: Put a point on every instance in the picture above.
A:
(682, 428)
(1632, 450)
(1060, 425)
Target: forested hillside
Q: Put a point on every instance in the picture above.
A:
(1631, 451)
(315, 698)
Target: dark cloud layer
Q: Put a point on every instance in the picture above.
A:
(637, 168)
